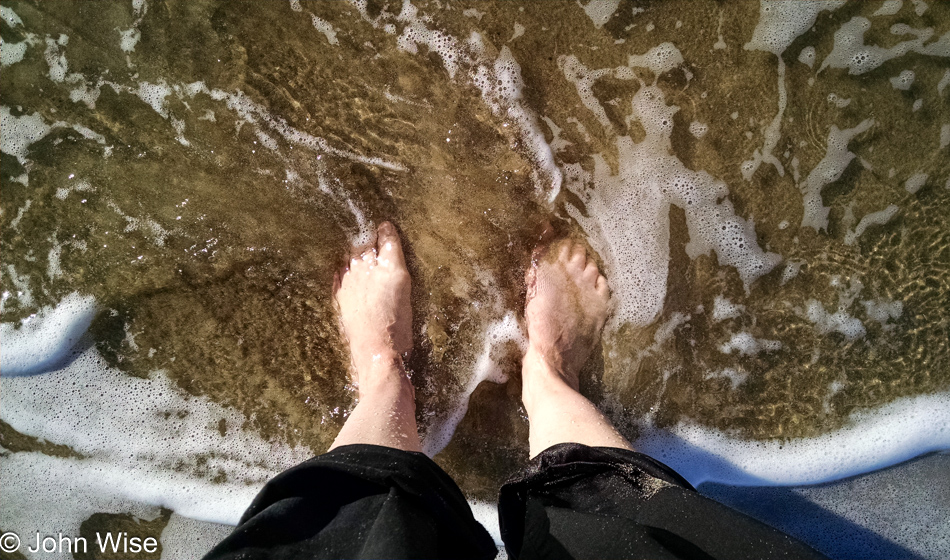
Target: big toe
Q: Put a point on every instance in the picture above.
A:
(389, 245)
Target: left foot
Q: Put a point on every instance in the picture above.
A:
(567, 305)
(372, 293)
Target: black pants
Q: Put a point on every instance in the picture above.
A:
(572, 501)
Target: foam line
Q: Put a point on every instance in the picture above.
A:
(43, 341)
(140, 440)
(872, 440)
(101, 482)
(486, 368)
(486, 513)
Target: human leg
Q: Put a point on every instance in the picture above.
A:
(372, 294)
(586, 493)
(566, 308)
(372, 495)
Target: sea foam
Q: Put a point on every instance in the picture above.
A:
(122, 440)
(871, 440)
(145, 440)
(44, 340)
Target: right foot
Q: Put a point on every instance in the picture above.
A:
(566, 308)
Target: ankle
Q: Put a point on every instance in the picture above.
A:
(548, 364)
(382, 373)
(541, 375)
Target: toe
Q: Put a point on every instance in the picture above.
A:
(601, 285)
(369, 257)
(389, 245)
(564, 251)
(579, 256)
(591, 272)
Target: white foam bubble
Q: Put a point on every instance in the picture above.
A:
(829, 169)
(735, 376)
(473, 13)
(323, 26)
(850, 52)
(627, 218)
(904, 80)
(128, 38)
(11, 53)
(46, 339)
(659, 59)
(141, 440)
(20, 132)
(839, 321)
(154, 94)
(871, 440)
(781, 22)
(498, 334)
(915, 182)
(838, 101)
(944, 82)
(21, 211)
(724, 309)
(55, 58)
(583, 80)
(883, 310)
(920, 7)
(698, 129)
(889, 8)
(518, 32)
(748, 345)
(771, 134)
(10, 17)
(600, 11)
(807, 56)
(497, 77)
(872, 219)
(486, 513)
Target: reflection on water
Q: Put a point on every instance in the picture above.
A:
(199, 167)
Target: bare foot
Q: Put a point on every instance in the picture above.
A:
(372, 293)
(566, 308)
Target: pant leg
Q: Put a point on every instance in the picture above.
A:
(575, 501)
(359, 501)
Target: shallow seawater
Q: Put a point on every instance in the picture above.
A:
(201, 168)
